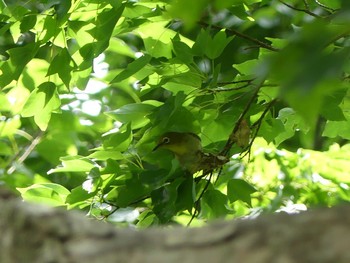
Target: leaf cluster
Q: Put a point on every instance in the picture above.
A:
(87, 87)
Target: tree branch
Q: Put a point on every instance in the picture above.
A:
(26, 153)
(231, 139)
(247, 83)
(241, 35)
(196, 204)
(325, 7)
(258, 123)
(307, 11)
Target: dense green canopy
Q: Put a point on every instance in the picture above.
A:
(87, 87)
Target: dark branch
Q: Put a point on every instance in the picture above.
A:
(300, 9)
(241, 35)
(257, 125)
(325, 7)
(196, 205)
(235, 82)
(231, 139)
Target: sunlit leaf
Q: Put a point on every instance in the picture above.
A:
(118, 141)
(74, 164)
(45, 193)
(40, 104)
(132, 68)
(104, 155)
(19, 57)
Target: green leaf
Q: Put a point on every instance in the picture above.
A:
(331, 108)
(49, 28)
(187, 82)
(221, 4)
(40, 104)
(146, 219)
(211, 47)
(272, 128)
(5, 150)
(307, 72)
(134, 113)
(45, 193)
(39, 99)
(27, 23)
(200, 46)
(238, 189)
(217, 45)
(105, 23)
(4, 103)
(73, 164)
(182, 51)
(61, 64)
(186, 195)
(62, 8)
(79, 198)
(214, 204)
(132, 68)
(153, 178)
(247, 68)
(18, 11)
(200, 80)
(2, 5)
(19, 57)
(333, 129)
(189, 11)
(118, 141)
(157, 38)
(292, 122)
(164, 200)
(17, 180)
(93, 182)
(173, 116)
(132, 192)
(103, 155)
(9, 127)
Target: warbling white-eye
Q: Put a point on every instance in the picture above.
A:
(188, 151)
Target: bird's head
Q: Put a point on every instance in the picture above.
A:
(179, 143)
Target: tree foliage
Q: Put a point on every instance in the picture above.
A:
(87, 87)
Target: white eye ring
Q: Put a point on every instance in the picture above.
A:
(166, 140)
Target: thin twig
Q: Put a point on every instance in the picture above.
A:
(258, 125)
(196, 208)
(118, 207)
(325, 7)
(26, 153)
(306, 4)
(335, 38)
(231, 140)
(234, 82)
(231, 89)
(241, 35)
(300, 9)
(259, 121)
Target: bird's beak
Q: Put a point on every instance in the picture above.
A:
(157, 146)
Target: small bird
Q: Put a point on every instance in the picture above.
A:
(188, 151)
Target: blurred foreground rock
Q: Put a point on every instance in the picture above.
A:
(31, 233)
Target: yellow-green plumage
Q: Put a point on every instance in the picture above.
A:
(188, 150)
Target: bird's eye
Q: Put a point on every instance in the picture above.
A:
(166, 140)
